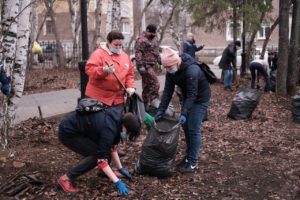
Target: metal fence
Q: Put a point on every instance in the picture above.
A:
(48, 58)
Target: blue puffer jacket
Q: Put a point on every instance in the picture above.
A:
(102, 127)
(192, 82)
(191, 48)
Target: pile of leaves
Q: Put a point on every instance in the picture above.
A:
(256, 158)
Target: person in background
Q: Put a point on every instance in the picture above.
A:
(190, 47)
(95, 136)
(147, 58)
(183, 72)
(102, 66)
(259, 66)
(228, 63)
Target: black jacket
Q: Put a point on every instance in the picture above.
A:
(102, 127)
(192, 82)
(228, 57)
(191, 48)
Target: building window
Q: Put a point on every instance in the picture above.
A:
(125, 27)
(49, 26)
(263, 32)
(229, 31)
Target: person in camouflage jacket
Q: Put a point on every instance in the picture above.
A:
(147, 57)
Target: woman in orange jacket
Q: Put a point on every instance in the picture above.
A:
(106, 62)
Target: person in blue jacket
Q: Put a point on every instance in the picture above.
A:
(95, 136)
(183, 72)
(189, 46)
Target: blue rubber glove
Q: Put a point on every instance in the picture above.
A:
(125, 173)
(158, 114)
(182, 119)
(122, 187)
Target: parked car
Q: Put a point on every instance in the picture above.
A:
(239, 57)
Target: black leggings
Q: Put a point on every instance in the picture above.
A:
(83, 146)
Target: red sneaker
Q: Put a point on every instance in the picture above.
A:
(66, 184)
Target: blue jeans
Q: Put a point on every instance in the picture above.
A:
(228, 76)
(259, 68)
(192, 130)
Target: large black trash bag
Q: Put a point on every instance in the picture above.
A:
(159, 149)
(296, 108)
(153, 107)
(135, 105)
(244, 103)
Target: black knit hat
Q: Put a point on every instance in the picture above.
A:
(151, 28)
(237, 43)
(132, 125)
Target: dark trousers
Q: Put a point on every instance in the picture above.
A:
(83, 146)
(257, 68)
(150, 85)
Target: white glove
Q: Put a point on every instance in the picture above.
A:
(130, 91)
(109, 69)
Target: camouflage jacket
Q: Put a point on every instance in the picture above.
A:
(146, 51)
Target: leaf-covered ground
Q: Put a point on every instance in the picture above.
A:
(245, 159)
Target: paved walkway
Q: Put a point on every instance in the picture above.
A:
(63, 101)
(55, 102)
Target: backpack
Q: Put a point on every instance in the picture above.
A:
(209, 74)
(89, 105)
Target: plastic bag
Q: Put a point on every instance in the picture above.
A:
(296, 108)
(36, 48)
(244, 103)
(135, 105)
(159, 148)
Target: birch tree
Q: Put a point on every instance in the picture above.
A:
(109, 16)
(9, 41)
(116, 15)
(20, 61)
(98, 14)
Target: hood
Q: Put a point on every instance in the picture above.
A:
(187, 60)
(105, 48)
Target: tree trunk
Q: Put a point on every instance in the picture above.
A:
(281, 88)
(109, 16)
(9, 40)
(272, 28)
(19, 67)
(116, 15)
(137, 26)
(59, 51)
(292, 77)
(98, 13)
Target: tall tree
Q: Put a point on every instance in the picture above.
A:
(116, 15)
(59, 51)
(109, 16)
(292, 76)
(284, 7)
(98, 14)
(8, 43)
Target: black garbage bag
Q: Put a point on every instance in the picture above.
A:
(153, 107)
(159, 149)
(296, 108)
(135, 105)
(244, 103)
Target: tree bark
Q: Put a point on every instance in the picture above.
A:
(98, 13)
(292, 76)
(9, 41)
(264, 46)
(281, 88)
(116, 15)
(109, 17)
(137, 26)
(59, 51)
(19, 67)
